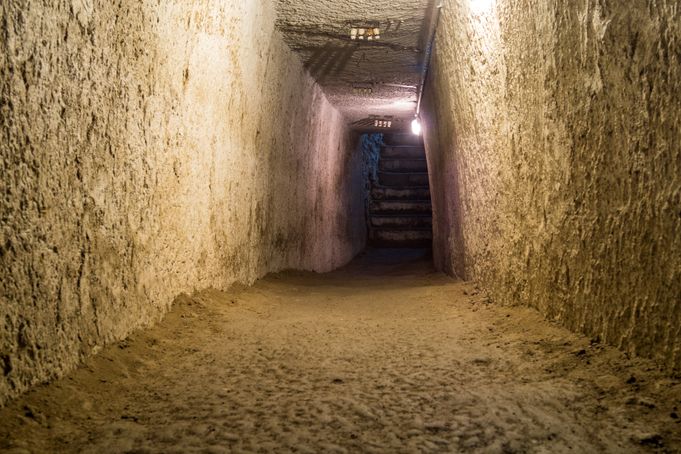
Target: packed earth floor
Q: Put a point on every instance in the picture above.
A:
(385, 355)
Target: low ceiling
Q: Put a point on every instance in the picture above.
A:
(366, 80)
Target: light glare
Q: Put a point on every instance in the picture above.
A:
(365, 33)
(481, 6)
(416, 126)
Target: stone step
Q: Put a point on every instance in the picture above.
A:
(400, 207)
(403, 165)
(401, 222)
(403, 152)
(402, 139)
(401, 237)
(422, 193)
(403, 179)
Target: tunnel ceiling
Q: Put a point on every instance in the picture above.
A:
(365, 79)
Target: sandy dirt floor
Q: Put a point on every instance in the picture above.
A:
(383, 356)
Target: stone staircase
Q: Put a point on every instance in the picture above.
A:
(399, 207)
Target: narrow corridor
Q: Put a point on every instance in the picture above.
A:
(192, 194)
(384, 355)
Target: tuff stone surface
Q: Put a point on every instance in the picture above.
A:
(554, 146)
(392, 67)
(149, 149)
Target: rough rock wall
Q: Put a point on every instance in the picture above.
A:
(556, 160)
(149, 149)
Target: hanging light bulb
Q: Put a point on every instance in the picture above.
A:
(416, 126)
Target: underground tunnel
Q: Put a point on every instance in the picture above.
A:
(415, 226)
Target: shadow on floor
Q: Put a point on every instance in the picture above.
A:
(374, 268)
(392, 261)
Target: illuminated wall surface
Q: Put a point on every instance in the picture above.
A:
(151, 149)
(553, 140)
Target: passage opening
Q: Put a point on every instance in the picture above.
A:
(399, 213)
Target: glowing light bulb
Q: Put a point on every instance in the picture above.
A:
(416, 126)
